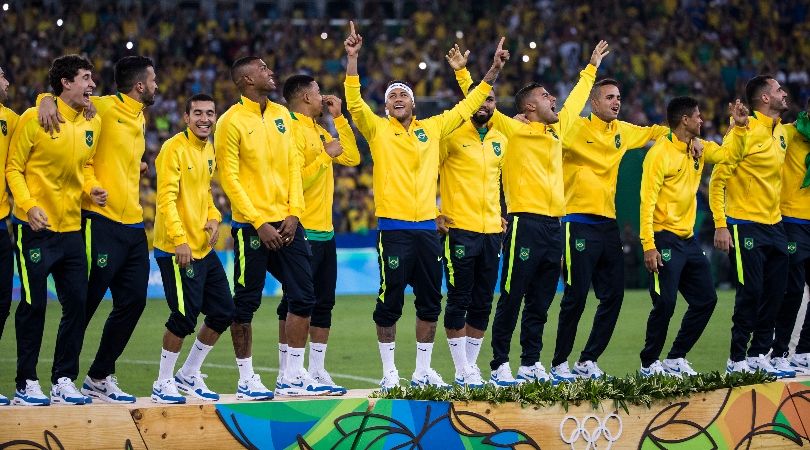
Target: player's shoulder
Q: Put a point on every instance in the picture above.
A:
(8, 114)
(29, 117)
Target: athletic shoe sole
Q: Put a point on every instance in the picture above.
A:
(20, 402)
(254, 397)
(104, 398)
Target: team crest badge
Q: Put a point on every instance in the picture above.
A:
(210, 167)
(35, 255)
(88, 138)
(459, 251)
(101, 260)
(748, 243)
(393, 262)
(4, 127)
(524, 253)
(323, 138)
(618, 141)
(420, 134)
(782, 142)
(280, 125)
(792, 247)
(666, 254)
(496, 147)
(579, 244)
(254, 242)
(190, 271)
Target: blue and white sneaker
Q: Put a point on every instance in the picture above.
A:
(428, 377)
(533, 373)
(194, 385)
(783, 365)
(470, 377)
(323, 377)
(587, 369)
(389, 380)
(300, 384)
(653, 369)
(64, 391)
(762, 363)
(678, 367)
(502, 376)
(165, 391)
(253, 389)
(31, 396)
(4, 401)
(800, 363)
(106, 390)
(562, 374)
(738, 367)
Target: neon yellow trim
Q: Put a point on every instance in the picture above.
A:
(88, 235)
(738, 256)
(178, 288)
(657, 286)
(451, 277)
(508, 284)
(241, 242)
(568, 253)
(381, 297)
(23, 267)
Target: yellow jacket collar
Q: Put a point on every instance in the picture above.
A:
(397, 123)
(301, 117)
(766, 120)
(251, 106)
(67, 112)
(677, 143)
(130, 103)
(600, 124)
(194, 140)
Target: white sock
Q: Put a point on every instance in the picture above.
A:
(473, 349)
(295, 362)
(424, 350)
(196, 357)
(387, 356)
(245, 367)
(167, 362)
(317, 355)
(282, 358)
(458, 350)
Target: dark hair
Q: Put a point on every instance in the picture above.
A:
(603, 82)
(240, 63)
(197, 98)
(523, 93)
(679, 107)
(754, 88)
(130, 70)
(295, 84)
(67, 66)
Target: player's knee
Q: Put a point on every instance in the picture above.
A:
(321, 319)
(244, 309)
(180, 325)
(429, 314)
(477, 320)
(299, 307)
(282, 308)
(386, 317)
(219, 322)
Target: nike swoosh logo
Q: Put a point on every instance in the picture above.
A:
(397, 134)
(590, 142)
(198, 347)
(244, 388)
(54, 137)
(422, 350)
(466, 145)
(299, 384)
(190, 168)
(439, 259)
(251, 131)
(319, 351)
(120, 121)
(104, 391)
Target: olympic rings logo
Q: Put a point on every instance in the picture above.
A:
(609, 428)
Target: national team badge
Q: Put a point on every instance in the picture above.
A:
(323, 138)
(280, 125)
(101, 260)
(254, 242)
(524, 253)
(579, 244)
(666, 254)
(459, 251)
(35, 255)
(393, 262)
(4, 127)
(190, 271)
(792, 247)
(782, 142)
(420, 134)
(618, 140)
(210, 167)
(748, 243)
(88, 138)
(496, 147)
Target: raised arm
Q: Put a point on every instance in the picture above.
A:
(363, 115)
(350, 155)
(582, 90)
(733, 149)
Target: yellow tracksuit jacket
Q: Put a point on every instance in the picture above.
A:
(8, 122)
(259, 167)
(406, 162)
(795, 201)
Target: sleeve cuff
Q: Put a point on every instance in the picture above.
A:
(258, 224)
(28, 204)
(647, 246)
(720, 223)
(179, 240)
(341, 121)
(462, 74)
(739, 131)
(352, 80)
(297, 212)
(216, 216)
(324, 159)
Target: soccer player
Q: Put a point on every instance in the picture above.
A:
(117, 252)
(318, 151)
(592, 152)
(795, 208)
(186, 229)
(405, 151)
(46, 176)
(746, 197)
(8, 121)
(260, 171)
(669, 184)
(471, 158)
(533, 187)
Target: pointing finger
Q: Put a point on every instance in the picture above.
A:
(500, 43)
(351, 27)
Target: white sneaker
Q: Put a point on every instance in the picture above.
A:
(502, 376)
(653, 369)
(323, 377)
(762, 363)
(678, 367)
(252, 389)
(561, 373)
(470, 377)
(587, 369)
(4, 401)
(300, 384)
(428, 377)
(800, 363)
(165, 391)
(106, 390)
(738, 366)
(533, 373)
(783, 366)
(194, 385)
(31, 396)
(64, 391)
(389, 380)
